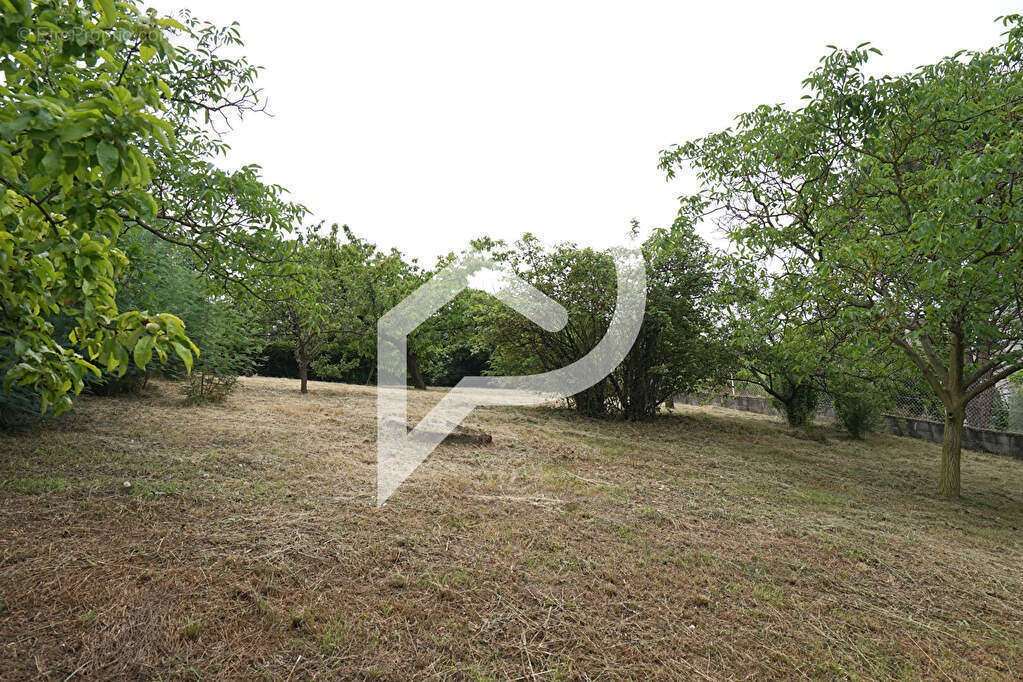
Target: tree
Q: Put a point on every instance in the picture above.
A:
(794, 358)
(106, 127)
(779, 352)
(70, 165)
(674, 351)
(340, 288)
(889, 204)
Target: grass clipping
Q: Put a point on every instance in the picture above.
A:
(705, 544)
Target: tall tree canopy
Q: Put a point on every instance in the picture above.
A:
(890, 203)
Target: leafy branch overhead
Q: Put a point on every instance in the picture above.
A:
(107, 124)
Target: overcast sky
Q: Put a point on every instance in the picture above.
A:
(424, 124)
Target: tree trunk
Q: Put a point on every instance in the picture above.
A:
(955, 414)
(369, 377)
(951, 450)
(303, 360)
(417, 375)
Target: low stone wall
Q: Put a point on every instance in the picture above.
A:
(997, 442)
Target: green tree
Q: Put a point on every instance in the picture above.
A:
(70, 166)
(889, 204)
(106, 128)
(341, 286)
(792, 357)
(161, 277)
(773, 349)
(675, 350)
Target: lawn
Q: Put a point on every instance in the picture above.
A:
(145, 537)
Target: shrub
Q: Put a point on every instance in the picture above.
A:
(209, 387)
(859, 403)
(223, 354)
(858, 413)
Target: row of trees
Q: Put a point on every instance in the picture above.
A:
(876, 235)
(885, 209)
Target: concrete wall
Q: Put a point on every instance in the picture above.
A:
(997, 442)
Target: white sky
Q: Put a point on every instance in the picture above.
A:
(424, 124)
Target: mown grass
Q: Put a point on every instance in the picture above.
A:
(706, 544)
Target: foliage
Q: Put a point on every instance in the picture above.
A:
(276, 359)
(20, 407)
(448, 345)
(800, 403)
(225, 347)
(105, 129)
(674, 351)
(341, 287)
(161, 276)
(457, 358)
(888, 205)
(792, 360)
(857, 408)
(1014, 406)
(678, 348)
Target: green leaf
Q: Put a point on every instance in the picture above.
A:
(75, 131)
(106, 7)
(144, 350)
(108, 156)
(184, 354)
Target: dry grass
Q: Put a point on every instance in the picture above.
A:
(708, 544)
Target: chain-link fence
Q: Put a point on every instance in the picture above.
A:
(1000, 408)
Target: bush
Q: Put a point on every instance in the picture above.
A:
(223, 354)
(857, 413)
(209, 387)
(859, 403)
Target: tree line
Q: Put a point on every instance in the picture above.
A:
(875, 241)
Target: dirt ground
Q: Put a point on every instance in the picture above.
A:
(707, 544)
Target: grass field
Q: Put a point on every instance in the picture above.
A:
(707, 544)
